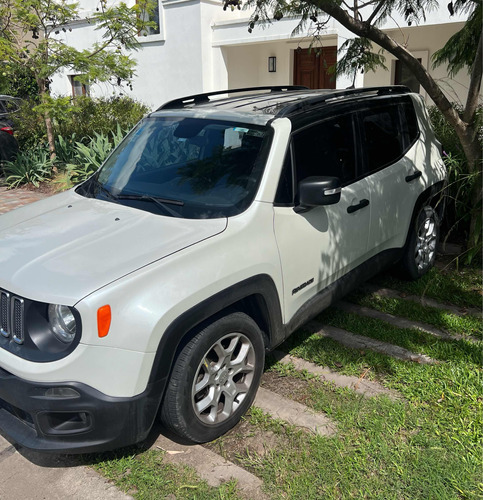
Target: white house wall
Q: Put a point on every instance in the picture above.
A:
(235, 31)
(168, 65)
(203, 48)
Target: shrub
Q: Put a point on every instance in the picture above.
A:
(32, 166)
(102, 115)
(29, 126)
(460, 182)
(83, 117)
(18, 81)
(65, 150)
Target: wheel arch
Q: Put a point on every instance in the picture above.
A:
(434, 196)
(256, 296)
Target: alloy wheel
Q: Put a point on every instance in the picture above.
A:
(223, 378)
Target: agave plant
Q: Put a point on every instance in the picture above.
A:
(64, 150)
(32, 166)
(89, 157)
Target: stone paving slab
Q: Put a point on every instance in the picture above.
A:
(367, 388)
(211, 467)
(294, 413)
(32, 476)
(355, 341)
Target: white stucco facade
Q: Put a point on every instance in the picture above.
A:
(201, 48)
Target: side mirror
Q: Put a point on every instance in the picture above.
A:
(318, 191)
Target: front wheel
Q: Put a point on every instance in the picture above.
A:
(420, 252)
(215, 379)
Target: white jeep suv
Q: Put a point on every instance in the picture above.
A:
(216, 229)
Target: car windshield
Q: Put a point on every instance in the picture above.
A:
(186, 167)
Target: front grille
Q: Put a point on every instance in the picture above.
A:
(5, 314)
(12, 317)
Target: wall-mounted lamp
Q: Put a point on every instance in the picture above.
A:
(272, 64)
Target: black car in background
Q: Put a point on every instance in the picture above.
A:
(8, 143)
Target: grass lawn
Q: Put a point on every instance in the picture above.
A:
(144, 475)
(427, 444)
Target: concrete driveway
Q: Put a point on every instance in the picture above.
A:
(25, 475)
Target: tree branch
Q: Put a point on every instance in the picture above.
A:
(375, 11)
(101, 48)
(366, 30)
(370, 2)
(347, 5)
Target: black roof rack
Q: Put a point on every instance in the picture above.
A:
(205, 98)
(299, 103)
(308, 102)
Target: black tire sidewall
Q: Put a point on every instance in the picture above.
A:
(409, 266)
(177, 411)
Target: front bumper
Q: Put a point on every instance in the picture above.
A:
(73, 417)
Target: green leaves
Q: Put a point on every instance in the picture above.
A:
(33, 37)
(459, 51)
(358, 56)
(30, 167)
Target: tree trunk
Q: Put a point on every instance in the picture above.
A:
(47, 119)
(469, 141)
(50, 134)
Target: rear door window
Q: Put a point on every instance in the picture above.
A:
(382, 137)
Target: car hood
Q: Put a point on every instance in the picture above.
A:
(65, 247)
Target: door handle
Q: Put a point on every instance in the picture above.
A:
(353, 208)
(411, 177)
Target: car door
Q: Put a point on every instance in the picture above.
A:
(322, 244)
(389, 132)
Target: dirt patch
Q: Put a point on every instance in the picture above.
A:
(47, 188)
(245, 441)
(290, 387)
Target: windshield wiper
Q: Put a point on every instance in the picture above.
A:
(161, 202)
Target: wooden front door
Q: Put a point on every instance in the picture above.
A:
(310, 69)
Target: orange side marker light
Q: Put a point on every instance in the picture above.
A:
(103, 320)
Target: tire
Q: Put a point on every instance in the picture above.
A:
(420, 252)
(214, 379)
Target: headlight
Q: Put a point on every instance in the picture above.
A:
(63, 322)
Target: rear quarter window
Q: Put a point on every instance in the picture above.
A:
(409, 124)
